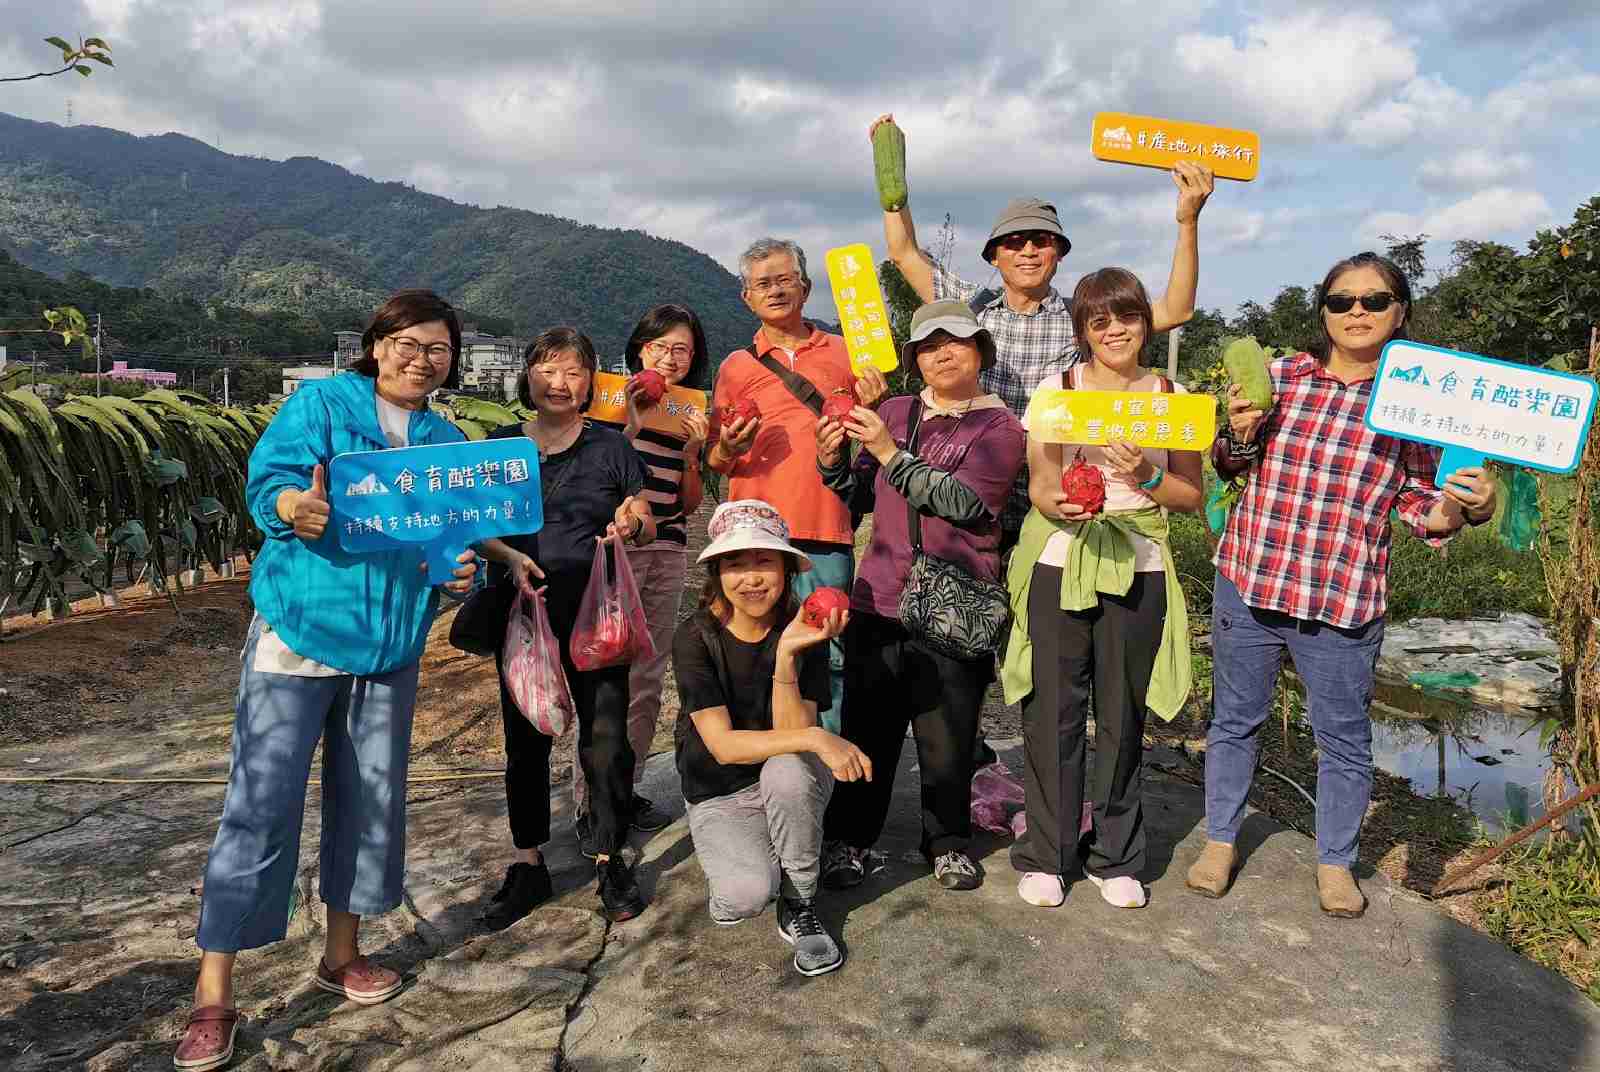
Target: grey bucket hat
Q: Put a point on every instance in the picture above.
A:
(1026, 214)
(950, 315)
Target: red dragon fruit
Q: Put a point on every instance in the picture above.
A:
(744, 409)
(821, 603)
(838, 405)
(651, 386)
(1084, 485)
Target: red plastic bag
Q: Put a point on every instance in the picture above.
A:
(530, 663)
(610, 629)
(995, 793)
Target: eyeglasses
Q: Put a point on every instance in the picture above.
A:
(408, 348)
(1372, 303)
(1019, 239)
(766, 286)
(663, 349)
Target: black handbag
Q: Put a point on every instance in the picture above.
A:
(479, 627)
(942, 606)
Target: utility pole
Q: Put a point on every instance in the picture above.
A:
(224, 387)
(1172, 353)
(97, 355)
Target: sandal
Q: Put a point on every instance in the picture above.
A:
(207, 1039)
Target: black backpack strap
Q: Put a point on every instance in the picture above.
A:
(798, 385)
(914, 520)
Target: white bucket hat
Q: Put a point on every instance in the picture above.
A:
(744, 524)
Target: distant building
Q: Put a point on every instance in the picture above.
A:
(488, 362)
(346, 348)
(46, 391)
(294, 377)
(121, 371)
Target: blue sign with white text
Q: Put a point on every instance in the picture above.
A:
(1480, 407)
(440, 498)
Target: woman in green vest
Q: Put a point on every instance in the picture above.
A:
(1097, 603)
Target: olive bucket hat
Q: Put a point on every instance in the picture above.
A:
(952, 316)
(1026, 214)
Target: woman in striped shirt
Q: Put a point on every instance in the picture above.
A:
(669, 340)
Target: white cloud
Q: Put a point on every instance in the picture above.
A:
(1543, 101)
(1424, 106)
(1473, 169)
(1500, 211)
(1300, 74)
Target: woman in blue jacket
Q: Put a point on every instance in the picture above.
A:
(332, 654)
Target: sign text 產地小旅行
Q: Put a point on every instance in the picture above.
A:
(610, 403)
(439, 498)
(1149, 142)
(1146, 419)
(1480, 407)
(863, 320)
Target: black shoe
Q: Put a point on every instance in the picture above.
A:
(645, 816)
(842, 866)
(815, 952)
(525, 888)
(619, 893)
(583, 826)
(955, 870)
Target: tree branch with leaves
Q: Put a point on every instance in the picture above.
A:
(72, 59)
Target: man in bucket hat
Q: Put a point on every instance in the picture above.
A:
(1030, 321)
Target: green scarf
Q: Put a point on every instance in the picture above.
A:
(1099, 559)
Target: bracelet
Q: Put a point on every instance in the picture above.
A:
(1155, 480)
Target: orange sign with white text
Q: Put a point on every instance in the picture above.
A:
(611, 404)
(1149, 142)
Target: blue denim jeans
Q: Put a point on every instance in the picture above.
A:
(364, 724)
(833, 565)
(1337, 667)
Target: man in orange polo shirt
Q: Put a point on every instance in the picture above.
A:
(773, 457)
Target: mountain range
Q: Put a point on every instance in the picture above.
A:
(302, 235)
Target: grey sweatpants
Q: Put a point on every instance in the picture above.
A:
(749, 841)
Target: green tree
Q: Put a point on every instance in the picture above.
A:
(1408, 252)
(72, 59)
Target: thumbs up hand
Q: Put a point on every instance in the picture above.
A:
(307, 510)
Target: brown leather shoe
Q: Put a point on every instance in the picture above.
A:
(207, 1040)
(1338, 892)
(360, 981)
(1210, 875)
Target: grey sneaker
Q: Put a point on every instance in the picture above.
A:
(956, 871)
(815, 952)
(842, 866)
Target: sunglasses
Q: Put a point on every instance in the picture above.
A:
(1372, 303)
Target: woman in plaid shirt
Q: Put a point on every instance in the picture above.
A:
(1303, 565)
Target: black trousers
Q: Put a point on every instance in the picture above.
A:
(891, 681)
(601, 697)
(1113, 647)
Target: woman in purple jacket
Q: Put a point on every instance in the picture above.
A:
(969, 449)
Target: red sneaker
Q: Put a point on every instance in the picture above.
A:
(208, 1039)
(360, 981)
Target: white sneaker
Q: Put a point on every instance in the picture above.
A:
(1124, 891)
(1043, 890)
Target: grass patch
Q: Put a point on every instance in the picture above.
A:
(1546, 906)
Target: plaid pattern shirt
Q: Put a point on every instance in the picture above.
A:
(1309, 536)
(1028, 348)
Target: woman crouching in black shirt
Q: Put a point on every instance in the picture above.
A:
(756, 768)
(590, 478)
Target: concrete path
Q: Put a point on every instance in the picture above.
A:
(97, 958)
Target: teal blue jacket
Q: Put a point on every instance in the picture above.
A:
(363, 614)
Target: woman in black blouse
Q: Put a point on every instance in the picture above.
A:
(591, 478)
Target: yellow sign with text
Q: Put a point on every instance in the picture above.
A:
(863, 319)
(611, 404)
(1144, 418)
(1149, 142)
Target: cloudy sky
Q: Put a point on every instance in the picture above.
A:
(722, 121)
